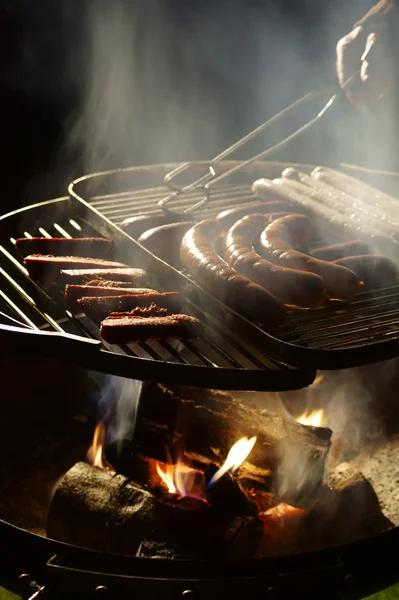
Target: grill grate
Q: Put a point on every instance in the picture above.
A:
(41, 309)
(368, 326)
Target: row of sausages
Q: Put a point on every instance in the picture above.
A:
(248, 258)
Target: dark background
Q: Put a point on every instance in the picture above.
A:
(85, 87)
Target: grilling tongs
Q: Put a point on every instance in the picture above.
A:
(211, 178)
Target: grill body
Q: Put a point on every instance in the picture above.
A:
(333, 336)
(225, 358)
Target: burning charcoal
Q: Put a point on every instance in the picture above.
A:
(131, 459)
(295, 453)
(228, 496)
(284, 530)
(98, 509)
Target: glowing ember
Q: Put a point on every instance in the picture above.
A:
(281, 524)
(314, 418)
(182, 480)
(318, 379)
(95, 453)
(284, 511)
(235, 457)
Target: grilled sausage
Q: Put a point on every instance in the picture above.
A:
(77, 276)
(198, 255)
(290, 286)
(295, 191)
(99, 307)
(377, 202)
(135, 226)
(94, 247)
(124, 329)
(74, 292)
(371, 269)
(227, 218)
(164, 241)
(337, 251)
(275, 244)
(352, 206)
(46, 266)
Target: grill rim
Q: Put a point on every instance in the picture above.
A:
(283, 351)
(279, 379)
(371, 564)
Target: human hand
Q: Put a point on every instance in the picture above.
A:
(366, 51)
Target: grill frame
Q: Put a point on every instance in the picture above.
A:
(267, 376)
(352, 571)
(86, 190)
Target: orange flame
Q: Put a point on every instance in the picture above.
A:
(238, 453)
(182, 480)
(314, 418)
(95, 453)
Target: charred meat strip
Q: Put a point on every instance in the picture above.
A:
(74, 292)
(125, 329)
(142, 311)
(126, 274)
(108, 283)
(45, 266)
(94, 247)
(99, 307)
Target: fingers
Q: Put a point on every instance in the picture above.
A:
(349, 50)
(369, 52)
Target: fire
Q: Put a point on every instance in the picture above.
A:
(95, 453)
(238, 453)
(182, 480)
(314, 418)
(281, 524)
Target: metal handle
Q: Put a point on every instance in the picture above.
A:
(205, 182)
(49, 343)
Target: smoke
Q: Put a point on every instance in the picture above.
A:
(117, 400)
(359, 407)
(169, 81)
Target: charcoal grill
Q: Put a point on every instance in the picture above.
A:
(333, 336)
(221, 359)
(230, 358)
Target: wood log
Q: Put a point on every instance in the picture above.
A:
(99, 509)
(346, 510)
(125, 459)
(295, 453)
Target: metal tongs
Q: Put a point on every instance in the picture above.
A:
(205, 182)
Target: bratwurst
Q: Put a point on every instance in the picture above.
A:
(276, 244)
(199, 257)
(371, 269)
(228, 217)
(290, 286)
